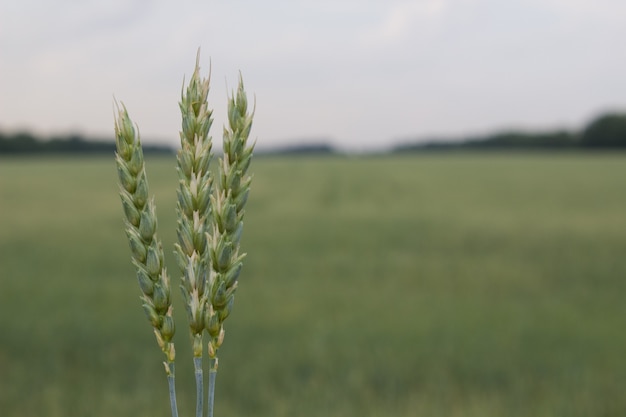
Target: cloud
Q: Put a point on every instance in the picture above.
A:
(401, 18)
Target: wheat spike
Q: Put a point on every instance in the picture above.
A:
(193, 207)
(141, 227)
(228, 211)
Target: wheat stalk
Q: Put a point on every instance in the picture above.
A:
(209, 226)
(194, 212)
(228, 210)
(146, 249)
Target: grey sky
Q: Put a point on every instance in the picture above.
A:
(366, 73)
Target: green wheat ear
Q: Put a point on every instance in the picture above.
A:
(141, 227)
(146, 248)
(194, 211)
(193, 207)
(226, 225)
(228, 210)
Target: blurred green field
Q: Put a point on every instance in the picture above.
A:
(439, 285)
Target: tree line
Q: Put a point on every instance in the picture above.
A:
(607, 131)
(27, 143)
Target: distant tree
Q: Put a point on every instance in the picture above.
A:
(607, 131)
(526, 140)
(18, 142)
(303, 149)
(511, 140)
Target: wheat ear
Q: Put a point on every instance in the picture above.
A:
(228, 210)
(194, 211)
(146, 248)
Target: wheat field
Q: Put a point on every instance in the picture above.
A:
(431, 285)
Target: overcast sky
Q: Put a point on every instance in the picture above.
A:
(365, 74)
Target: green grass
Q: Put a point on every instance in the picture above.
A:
(442, 285)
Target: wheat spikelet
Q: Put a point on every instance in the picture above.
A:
(141, 225)
(228, 210)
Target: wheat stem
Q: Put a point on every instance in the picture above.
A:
(211, 392)
(197, 364)
(171, 382)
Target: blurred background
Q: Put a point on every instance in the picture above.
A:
(436, 225)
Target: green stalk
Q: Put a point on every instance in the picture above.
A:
(211, 396)
(197, 363)
(171, 382)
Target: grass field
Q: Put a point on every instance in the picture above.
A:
(441, 285)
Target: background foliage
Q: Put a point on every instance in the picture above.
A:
(438, 285)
